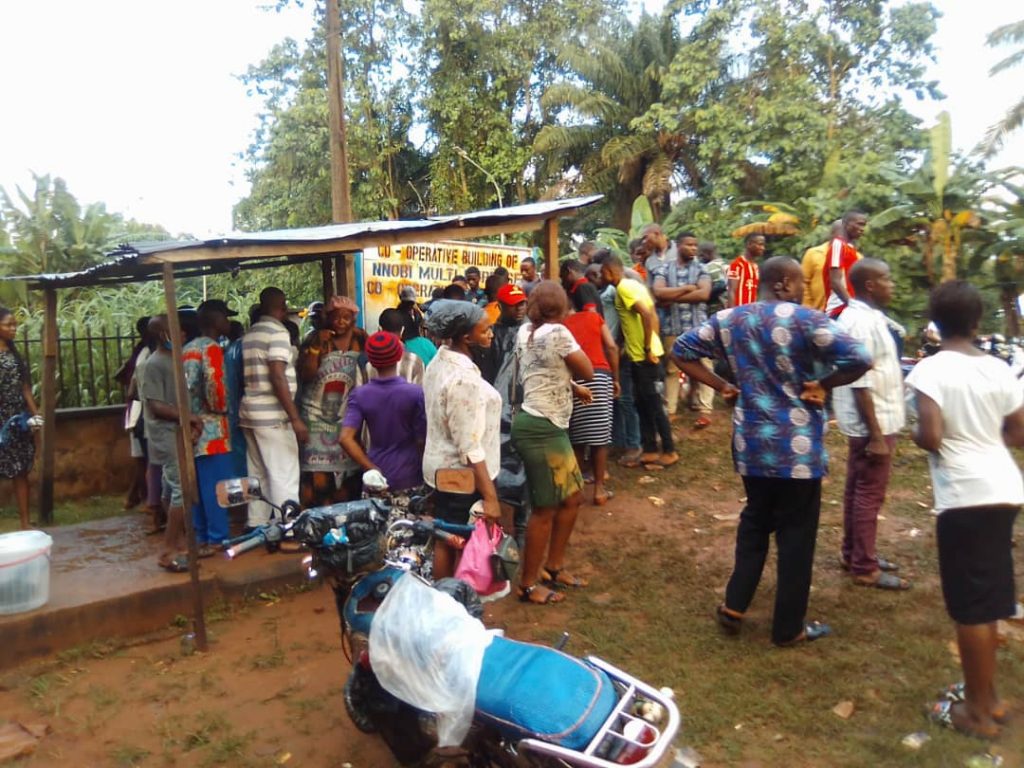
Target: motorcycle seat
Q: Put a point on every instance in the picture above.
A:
(533, 691)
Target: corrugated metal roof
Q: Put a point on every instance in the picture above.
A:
(143, 260)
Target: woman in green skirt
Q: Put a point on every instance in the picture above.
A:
(549, 358)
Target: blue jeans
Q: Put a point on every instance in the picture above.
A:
(208, 517)
(625, 419)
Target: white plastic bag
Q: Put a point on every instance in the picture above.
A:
(426, 650)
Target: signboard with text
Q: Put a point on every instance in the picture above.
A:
(380, 272)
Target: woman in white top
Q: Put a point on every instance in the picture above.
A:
(549, 358)
(463, 418)
(970, 408)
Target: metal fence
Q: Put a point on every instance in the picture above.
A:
(86, 364)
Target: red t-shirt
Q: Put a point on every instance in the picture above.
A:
(843, 255)
(749, 277)
(585, 327)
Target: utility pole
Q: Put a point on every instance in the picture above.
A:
(341, 203)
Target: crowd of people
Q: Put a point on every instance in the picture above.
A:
(522, 393)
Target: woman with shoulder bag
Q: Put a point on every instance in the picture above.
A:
(462, 455)
(549, 359)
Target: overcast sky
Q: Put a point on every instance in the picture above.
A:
(136, 103)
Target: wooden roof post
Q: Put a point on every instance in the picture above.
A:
(186, 458)
(49, 397)
(551, 248)
(327, 276)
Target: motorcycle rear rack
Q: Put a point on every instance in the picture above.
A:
(587, 758)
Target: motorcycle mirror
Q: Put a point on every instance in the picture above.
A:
(238, 490)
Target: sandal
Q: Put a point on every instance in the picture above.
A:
(177, 564)
(702, 422)
(549, 578)
(884, 581)
(941, 714)
(883, 564)
(206, 550)
(668, 459)
(728, 620)
(813, 631)
(600, 499)
(630, 460)
(957, 692)
(525, 595)
(655, 467)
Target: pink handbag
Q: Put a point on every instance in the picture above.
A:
(475, 565)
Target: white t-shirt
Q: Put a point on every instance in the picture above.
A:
(547, 384)
(976, 393)
(885, 379)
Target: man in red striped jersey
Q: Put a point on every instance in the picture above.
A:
(842, 254)
(744, 276)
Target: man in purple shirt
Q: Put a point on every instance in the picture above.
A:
(395, 415)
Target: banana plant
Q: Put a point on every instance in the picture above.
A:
(618, 240)
(936, 206)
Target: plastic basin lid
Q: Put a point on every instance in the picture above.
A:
(21, 545)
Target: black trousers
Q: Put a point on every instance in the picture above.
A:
(653, 419)
(789, 509)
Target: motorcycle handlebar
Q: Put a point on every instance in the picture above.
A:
(256, 540)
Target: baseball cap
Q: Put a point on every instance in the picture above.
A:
(217, 305)
(511, 295)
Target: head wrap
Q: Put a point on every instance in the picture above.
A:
(449, 318)
(341, 302)
(384, 349)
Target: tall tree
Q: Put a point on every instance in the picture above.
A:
(612, 81)
(487, 64)
(1014, 118)
(289, 159)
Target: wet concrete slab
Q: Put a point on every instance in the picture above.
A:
(105, 583)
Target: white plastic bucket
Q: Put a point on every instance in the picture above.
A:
(24, 570)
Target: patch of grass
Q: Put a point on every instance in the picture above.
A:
(98, 649)
(67, 512)
(128, 756)
(103, 698)
(743, 700)
(45, 694)
(276, 657)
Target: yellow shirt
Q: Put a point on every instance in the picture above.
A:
(627, 293)
(813, 266)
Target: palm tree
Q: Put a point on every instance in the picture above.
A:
(614, 80)
(1014, 118)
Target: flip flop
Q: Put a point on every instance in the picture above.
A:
(206, 550)
(815, 630)
(654, 467)
(550, 598)
(941, 713)
(549, 578)
(884, 581)
(957, 692)
(177, 564)
(629, 460)
(883, 564)
(730, 623)
(601, 499)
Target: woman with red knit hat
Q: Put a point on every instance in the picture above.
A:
(393, 412)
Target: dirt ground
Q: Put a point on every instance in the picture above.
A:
(269, 690)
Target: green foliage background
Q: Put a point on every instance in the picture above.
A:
(712, 110)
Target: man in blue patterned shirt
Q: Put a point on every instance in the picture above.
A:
(785, 358)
